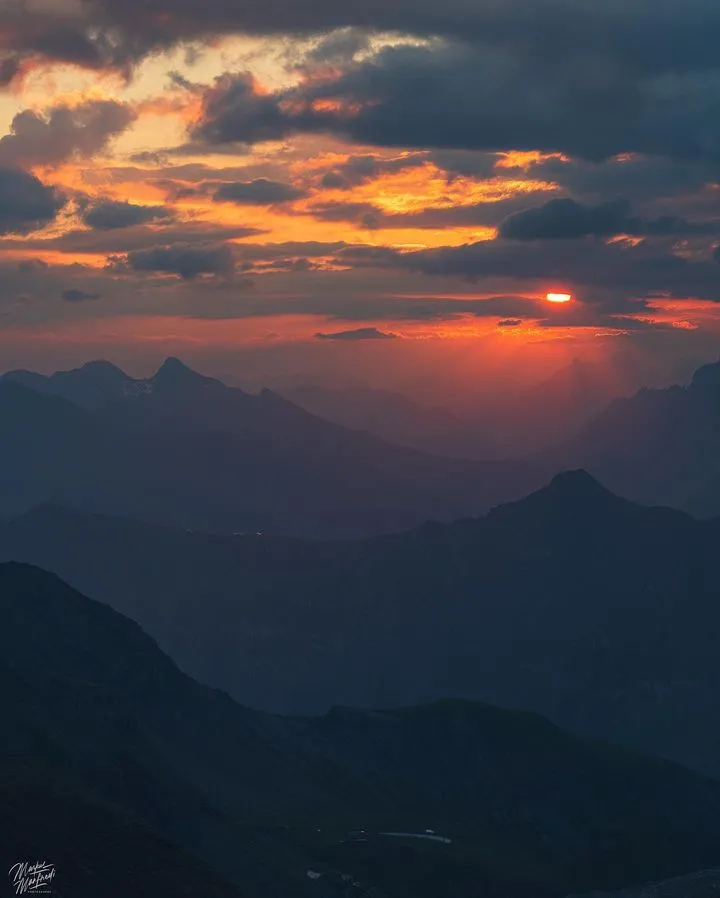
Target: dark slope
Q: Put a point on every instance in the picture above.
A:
(659, 446)
(93, 849)
(98, 710)
(185, 450)
(574, 603)
(704, 884)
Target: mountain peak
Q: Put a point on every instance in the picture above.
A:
(577, 484)
(707, 377)
(175, 373)
(98, 368)
(569, 491)
(175, 367)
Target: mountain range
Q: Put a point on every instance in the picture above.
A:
(572, 602)
(505, 422)
(127, 771)
(183, 449)
(658, 446)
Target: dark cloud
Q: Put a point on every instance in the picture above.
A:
(510, 322)
(32, 265)
(10, 68)
(292, 265)
(187, 262)
(464, 163)
(281, 251)
(63, 132)
(621, 271)
(177, 79)
(361, 169)
(511, 311)
(177, 191)
(635, 177)
(149, 157)
(260, 192)
(486, 214)
(365, 215)
(264, 266)
(123, 240)
(109, 215)
(428, 96)
(354, 336)
(234, 111)
(79, 296)
(564, 219)
(638, 36)
(429, 309)
(26, 204)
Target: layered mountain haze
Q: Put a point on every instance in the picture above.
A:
(524, 808)
(364, 541)
(501, 422)
(90, 386)
(659, 446)
(183, 449)
(573, 602)
(397, 418)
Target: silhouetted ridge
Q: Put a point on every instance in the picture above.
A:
(95, 708)
(578, 485)
(176, 374)
(577, 492)
(102, 368)
(707, 378)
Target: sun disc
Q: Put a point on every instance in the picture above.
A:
(558, 297)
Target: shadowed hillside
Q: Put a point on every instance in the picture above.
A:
(528, 810)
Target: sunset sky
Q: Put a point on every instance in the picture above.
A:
(369, 189)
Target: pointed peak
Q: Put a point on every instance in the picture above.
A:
(577, 484)
(175, 373)
(567, 491)
(174, 366)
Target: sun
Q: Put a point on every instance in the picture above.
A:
(558, 297)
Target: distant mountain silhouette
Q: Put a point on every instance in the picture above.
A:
(398, 419)
(109, 730)
(90, 386)
(659, 446)
(511, 421)
(572, 602)
(181, 448)
(547, 414)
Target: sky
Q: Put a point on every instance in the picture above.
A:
(381, 191)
